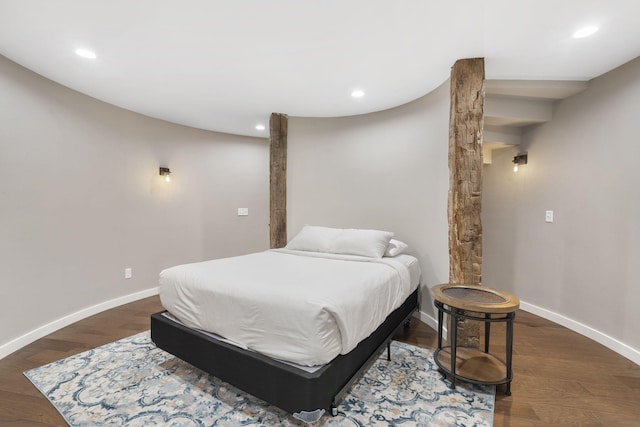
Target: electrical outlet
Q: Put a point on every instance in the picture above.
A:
(548, 216)
(128, 273)
(243, 211)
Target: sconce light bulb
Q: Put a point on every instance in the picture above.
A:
(165, 173)
(515, 167)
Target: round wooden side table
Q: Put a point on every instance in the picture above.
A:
(485, 305)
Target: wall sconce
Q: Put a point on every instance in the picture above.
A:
(166, 173)
(520, 159)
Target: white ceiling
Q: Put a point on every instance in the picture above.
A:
(226, 65)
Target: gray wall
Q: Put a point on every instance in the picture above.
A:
(581, 269)
(81, 199)
(385, 170)
(388, 170)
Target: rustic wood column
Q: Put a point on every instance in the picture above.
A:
(278, 124)
(465, 182)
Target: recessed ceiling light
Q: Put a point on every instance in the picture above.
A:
(86, 53)
(585, 32)
(260, 127)
(357, 93)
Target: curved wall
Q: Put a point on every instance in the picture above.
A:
(580, 270)
(81, 200)
(389, 170)
(385, 170)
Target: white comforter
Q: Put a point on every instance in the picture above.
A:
(300, 307)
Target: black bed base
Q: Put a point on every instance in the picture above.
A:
(280, 384)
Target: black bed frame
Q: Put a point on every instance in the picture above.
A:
(275, 382)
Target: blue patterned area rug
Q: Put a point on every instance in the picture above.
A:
(131, 382)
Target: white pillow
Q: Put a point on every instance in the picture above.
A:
(396, 247)
(368, 243)
(313, 238)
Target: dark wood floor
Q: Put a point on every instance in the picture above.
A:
(560, 378)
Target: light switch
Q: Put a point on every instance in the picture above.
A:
(243, 211)
(548, 216)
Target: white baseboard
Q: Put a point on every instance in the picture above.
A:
(609, 342)
(604, 339)
(433, 323)
(16, 344)
(429, 320)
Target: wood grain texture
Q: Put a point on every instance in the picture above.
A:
(466, 119)
(278, 127)
(465, 171)
(561, 378)
(473, 363)
(480, 299)
(21, 404)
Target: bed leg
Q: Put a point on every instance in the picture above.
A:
(389, 350)
(334, 410)
(407, 323)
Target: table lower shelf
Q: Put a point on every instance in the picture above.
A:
(473, 365)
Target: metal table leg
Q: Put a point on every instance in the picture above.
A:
(453, 339)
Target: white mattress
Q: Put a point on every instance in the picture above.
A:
(302, 307)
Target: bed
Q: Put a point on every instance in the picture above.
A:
(294, 326)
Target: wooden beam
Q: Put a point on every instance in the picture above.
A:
(465, 181)
(278, 125)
